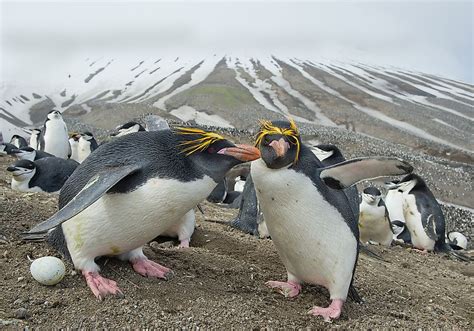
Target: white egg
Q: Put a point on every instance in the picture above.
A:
(48, 270)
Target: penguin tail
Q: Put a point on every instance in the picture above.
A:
(370, 253)
(445, 248)
(34, 236)
(354, 295)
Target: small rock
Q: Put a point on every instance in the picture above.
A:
(22, 313)
(20, 279)
(18, 302)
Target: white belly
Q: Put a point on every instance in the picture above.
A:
(311, 237)
(118, 223)
(419, 238)
(183, 228)
(74, 150)
(34, 141)
(56, 140)
(394, 204)
(83, 149)
(373, 226)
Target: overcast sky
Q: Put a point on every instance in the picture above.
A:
(429, 36)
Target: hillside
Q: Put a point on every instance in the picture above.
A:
(419, 110)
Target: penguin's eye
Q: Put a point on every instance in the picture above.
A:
(211, 150)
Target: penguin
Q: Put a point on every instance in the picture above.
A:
(456, 240)
(7, 148)
(45, 175)
(394, 204)
(308, 215)
(424, 217)
(54, 138)
(250, 219)
(374, 223)
(34, 138)
(18, 141)
(87, 144)
(131, 190)
(29, 153)
(127, 128)
(74, 145)
(182, 229)
(219, 193)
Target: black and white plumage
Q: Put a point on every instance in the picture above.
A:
(34, 138)
(311, 224)
(18, 141)
(374, 222)
(86, 145)
(456, 240)
(127, 128)
(7, 148)
(29, 153)
(54, 138)
(44, 175)
(424, 217)
(131, 190)
(394, 203)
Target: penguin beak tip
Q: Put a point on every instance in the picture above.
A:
(242, 152)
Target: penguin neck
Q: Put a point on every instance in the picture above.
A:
(215, 166)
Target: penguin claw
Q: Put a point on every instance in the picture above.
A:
(100, 286)
(149, 268)
(329, 313)
(288, 289)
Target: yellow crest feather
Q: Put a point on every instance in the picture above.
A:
(266, 128)
(199, 144)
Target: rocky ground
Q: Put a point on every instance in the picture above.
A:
(219, 281)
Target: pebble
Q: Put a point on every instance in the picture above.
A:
(22, 313)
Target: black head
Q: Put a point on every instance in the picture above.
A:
(22, 168)
(372, 191)
(279, 143)
(212, 152)
(127, 128)
(87, 135)
(411, 182)
(54, 114)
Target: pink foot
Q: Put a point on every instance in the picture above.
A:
(149, 268)
(184, 243)
(288, 289)
(420, 250)
(332, 312)
(99, 285)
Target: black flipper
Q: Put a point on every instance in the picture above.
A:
(348, 173)
(430, 228)
(95, 188)
(246, 220)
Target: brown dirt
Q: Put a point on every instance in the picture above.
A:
(219, 283)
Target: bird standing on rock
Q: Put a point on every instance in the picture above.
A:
(131, 190)
(308, 215)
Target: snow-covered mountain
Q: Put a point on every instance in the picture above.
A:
(407, 107)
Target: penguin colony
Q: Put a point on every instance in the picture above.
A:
(303, 197)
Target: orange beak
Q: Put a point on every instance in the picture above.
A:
(280, 147)
(243, 153)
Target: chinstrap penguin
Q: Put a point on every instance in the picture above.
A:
(44, 175)
(394, 203)
(7, 148)
(127, 128)
(374, 223)
(34, 138)
(86, 145)
(131, 190)
(18, 141)
(424, 217)
(29, 153)
(308, 215)
(456, 240)
(54, 138)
